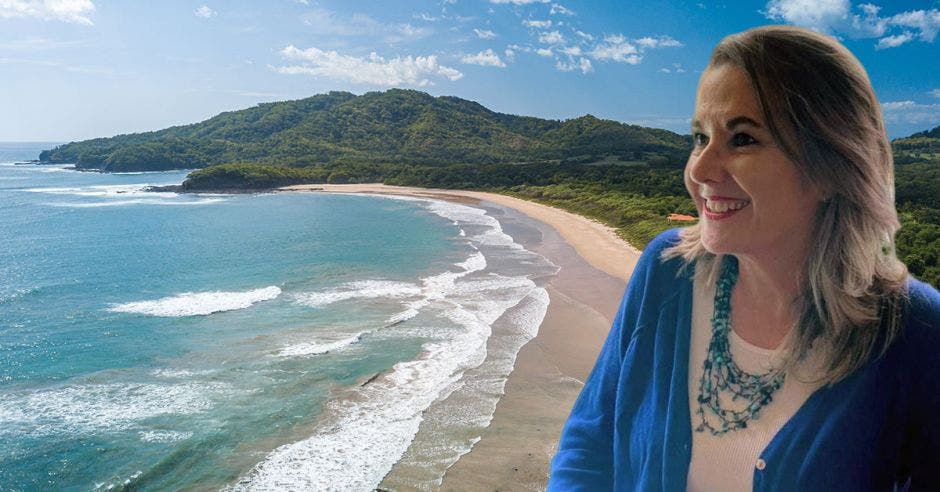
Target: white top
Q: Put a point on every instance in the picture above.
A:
(727, 462)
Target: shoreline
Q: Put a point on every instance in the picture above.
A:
(597, 243)
(515, 449)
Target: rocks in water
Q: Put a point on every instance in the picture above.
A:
(165, 189)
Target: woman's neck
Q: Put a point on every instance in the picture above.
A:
(762, 300)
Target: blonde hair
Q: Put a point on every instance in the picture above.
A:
(820, 107)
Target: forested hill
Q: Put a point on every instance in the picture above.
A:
(395, 126)
(921, 146)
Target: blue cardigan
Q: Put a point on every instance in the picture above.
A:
(630, 429)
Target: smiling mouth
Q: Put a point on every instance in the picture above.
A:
(724, 206)
(720, 208)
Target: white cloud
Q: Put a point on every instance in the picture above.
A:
(617, 48)
(895, 105)
(518, 2)
(510, 54)
(74, 11)
(553, 37)
(560, 9)
(425, 17)
(660, 42)
(893, 41)
(484, 34)
(325, 22)
(821, 15)
(585, 65)
(935, 93)
(584, 35)
(911, 112)
(676, 68)
(371, 70)
(568, 54)
(484, 59)
(836, 17)
(205, 12)
(537, 24)
(925, 21)
(404, 32)
(868, 25)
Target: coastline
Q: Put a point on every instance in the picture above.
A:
(597, 243)
(514, 451)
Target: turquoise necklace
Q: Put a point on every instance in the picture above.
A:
(722, 375)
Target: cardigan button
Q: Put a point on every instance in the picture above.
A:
(761, 464)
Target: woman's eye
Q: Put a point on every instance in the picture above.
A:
(699, 140)
(742, 139)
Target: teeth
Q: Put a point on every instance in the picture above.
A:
(720, 207)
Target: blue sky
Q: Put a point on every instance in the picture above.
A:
(77, 69)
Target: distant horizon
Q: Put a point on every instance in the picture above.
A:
(81, 69)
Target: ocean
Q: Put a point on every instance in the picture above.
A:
(155, 341)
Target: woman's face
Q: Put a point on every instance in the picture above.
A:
(750, 197)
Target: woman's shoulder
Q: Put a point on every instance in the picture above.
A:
(923, 309)
(654, 272)
(652, 257)
(663, 241)
(652, 253)
(919, 340)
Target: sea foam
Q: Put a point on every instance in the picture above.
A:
(370, 431)
(101, 407)
(141, 201)
(366, 431)
(121, 195)
(318, 348)
(365, 289)
(198, 303)
(164, 436)
(125, 190)
(471, 405)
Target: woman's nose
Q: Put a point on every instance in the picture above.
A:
(707, 166)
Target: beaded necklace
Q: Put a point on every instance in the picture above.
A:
(722, 375)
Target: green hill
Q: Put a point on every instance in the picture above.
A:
(403, 137)
(395, 126)
(919, 147)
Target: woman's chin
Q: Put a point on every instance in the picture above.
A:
(718, 244)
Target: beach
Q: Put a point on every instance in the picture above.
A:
(595, 264)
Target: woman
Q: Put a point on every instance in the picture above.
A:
(778, 344)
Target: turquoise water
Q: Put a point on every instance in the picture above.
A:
(155, 340)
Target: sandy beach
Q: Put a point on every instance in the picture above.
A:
(597, 243)
(515, 450)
